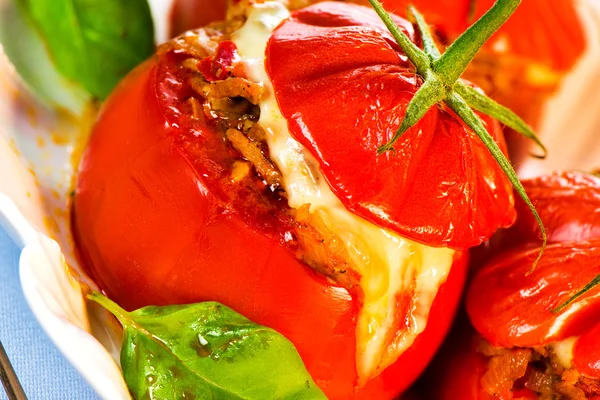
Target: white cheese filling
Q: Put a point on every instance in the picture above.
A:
(564, 351)
(389, 264)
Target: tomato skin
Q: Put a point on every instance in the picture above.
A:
(586, 354)
(555, 196)
(442, 188)
(152, 230)
(510, 308)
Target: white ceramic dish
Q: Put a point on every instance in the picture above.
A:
(36, 171)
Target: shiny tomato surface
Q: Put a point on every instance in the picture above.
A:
(155, 223)
(510, 307)
(567, 203)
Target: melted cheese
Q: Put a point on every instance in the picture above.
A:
(389, 264)
(564, 351)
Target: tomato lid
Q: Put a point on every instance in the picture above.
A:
(343, 84)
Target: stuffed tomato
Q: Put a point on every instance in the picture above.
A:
(240, 165)
(529, 342)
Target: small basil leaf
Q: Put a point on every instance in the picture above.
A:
(27, 52)
(207, 351)
(93, 42)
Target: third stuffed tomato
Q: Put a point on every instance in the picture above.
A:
(526, 348)
(240, 165)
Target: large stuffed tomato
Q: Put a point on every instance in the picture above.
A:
(240, 165)
(522, 348)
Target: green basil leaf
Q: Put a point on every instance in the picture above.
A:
(207, 351)
(94, 42)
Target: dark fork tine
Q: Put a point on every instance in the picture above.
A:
(9, 379)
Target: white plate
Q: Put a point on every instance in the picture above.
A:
(36, 171)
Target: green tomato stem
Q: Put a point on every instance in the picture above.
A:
(429, 45)
(459, 54)
(428, 95)
(412, 51)
(462, 109)
(440, 76)
(484, 104)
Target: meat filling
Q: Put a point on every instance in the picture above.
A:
(220, 94)
(535, 370)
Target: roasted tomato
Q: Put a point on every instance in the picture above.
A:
(522, 348)
(218, 173)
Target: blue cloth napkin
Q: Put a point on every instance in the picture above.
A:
(44, 373)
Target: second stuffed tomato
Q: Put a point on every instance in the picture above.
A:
(522, 344)
(240, 165)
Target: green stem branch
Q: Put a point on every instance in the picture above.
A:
(462, 109)
(484, 104)
(412, 51)
(428, 41)
(441, 74)
(461, 52)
